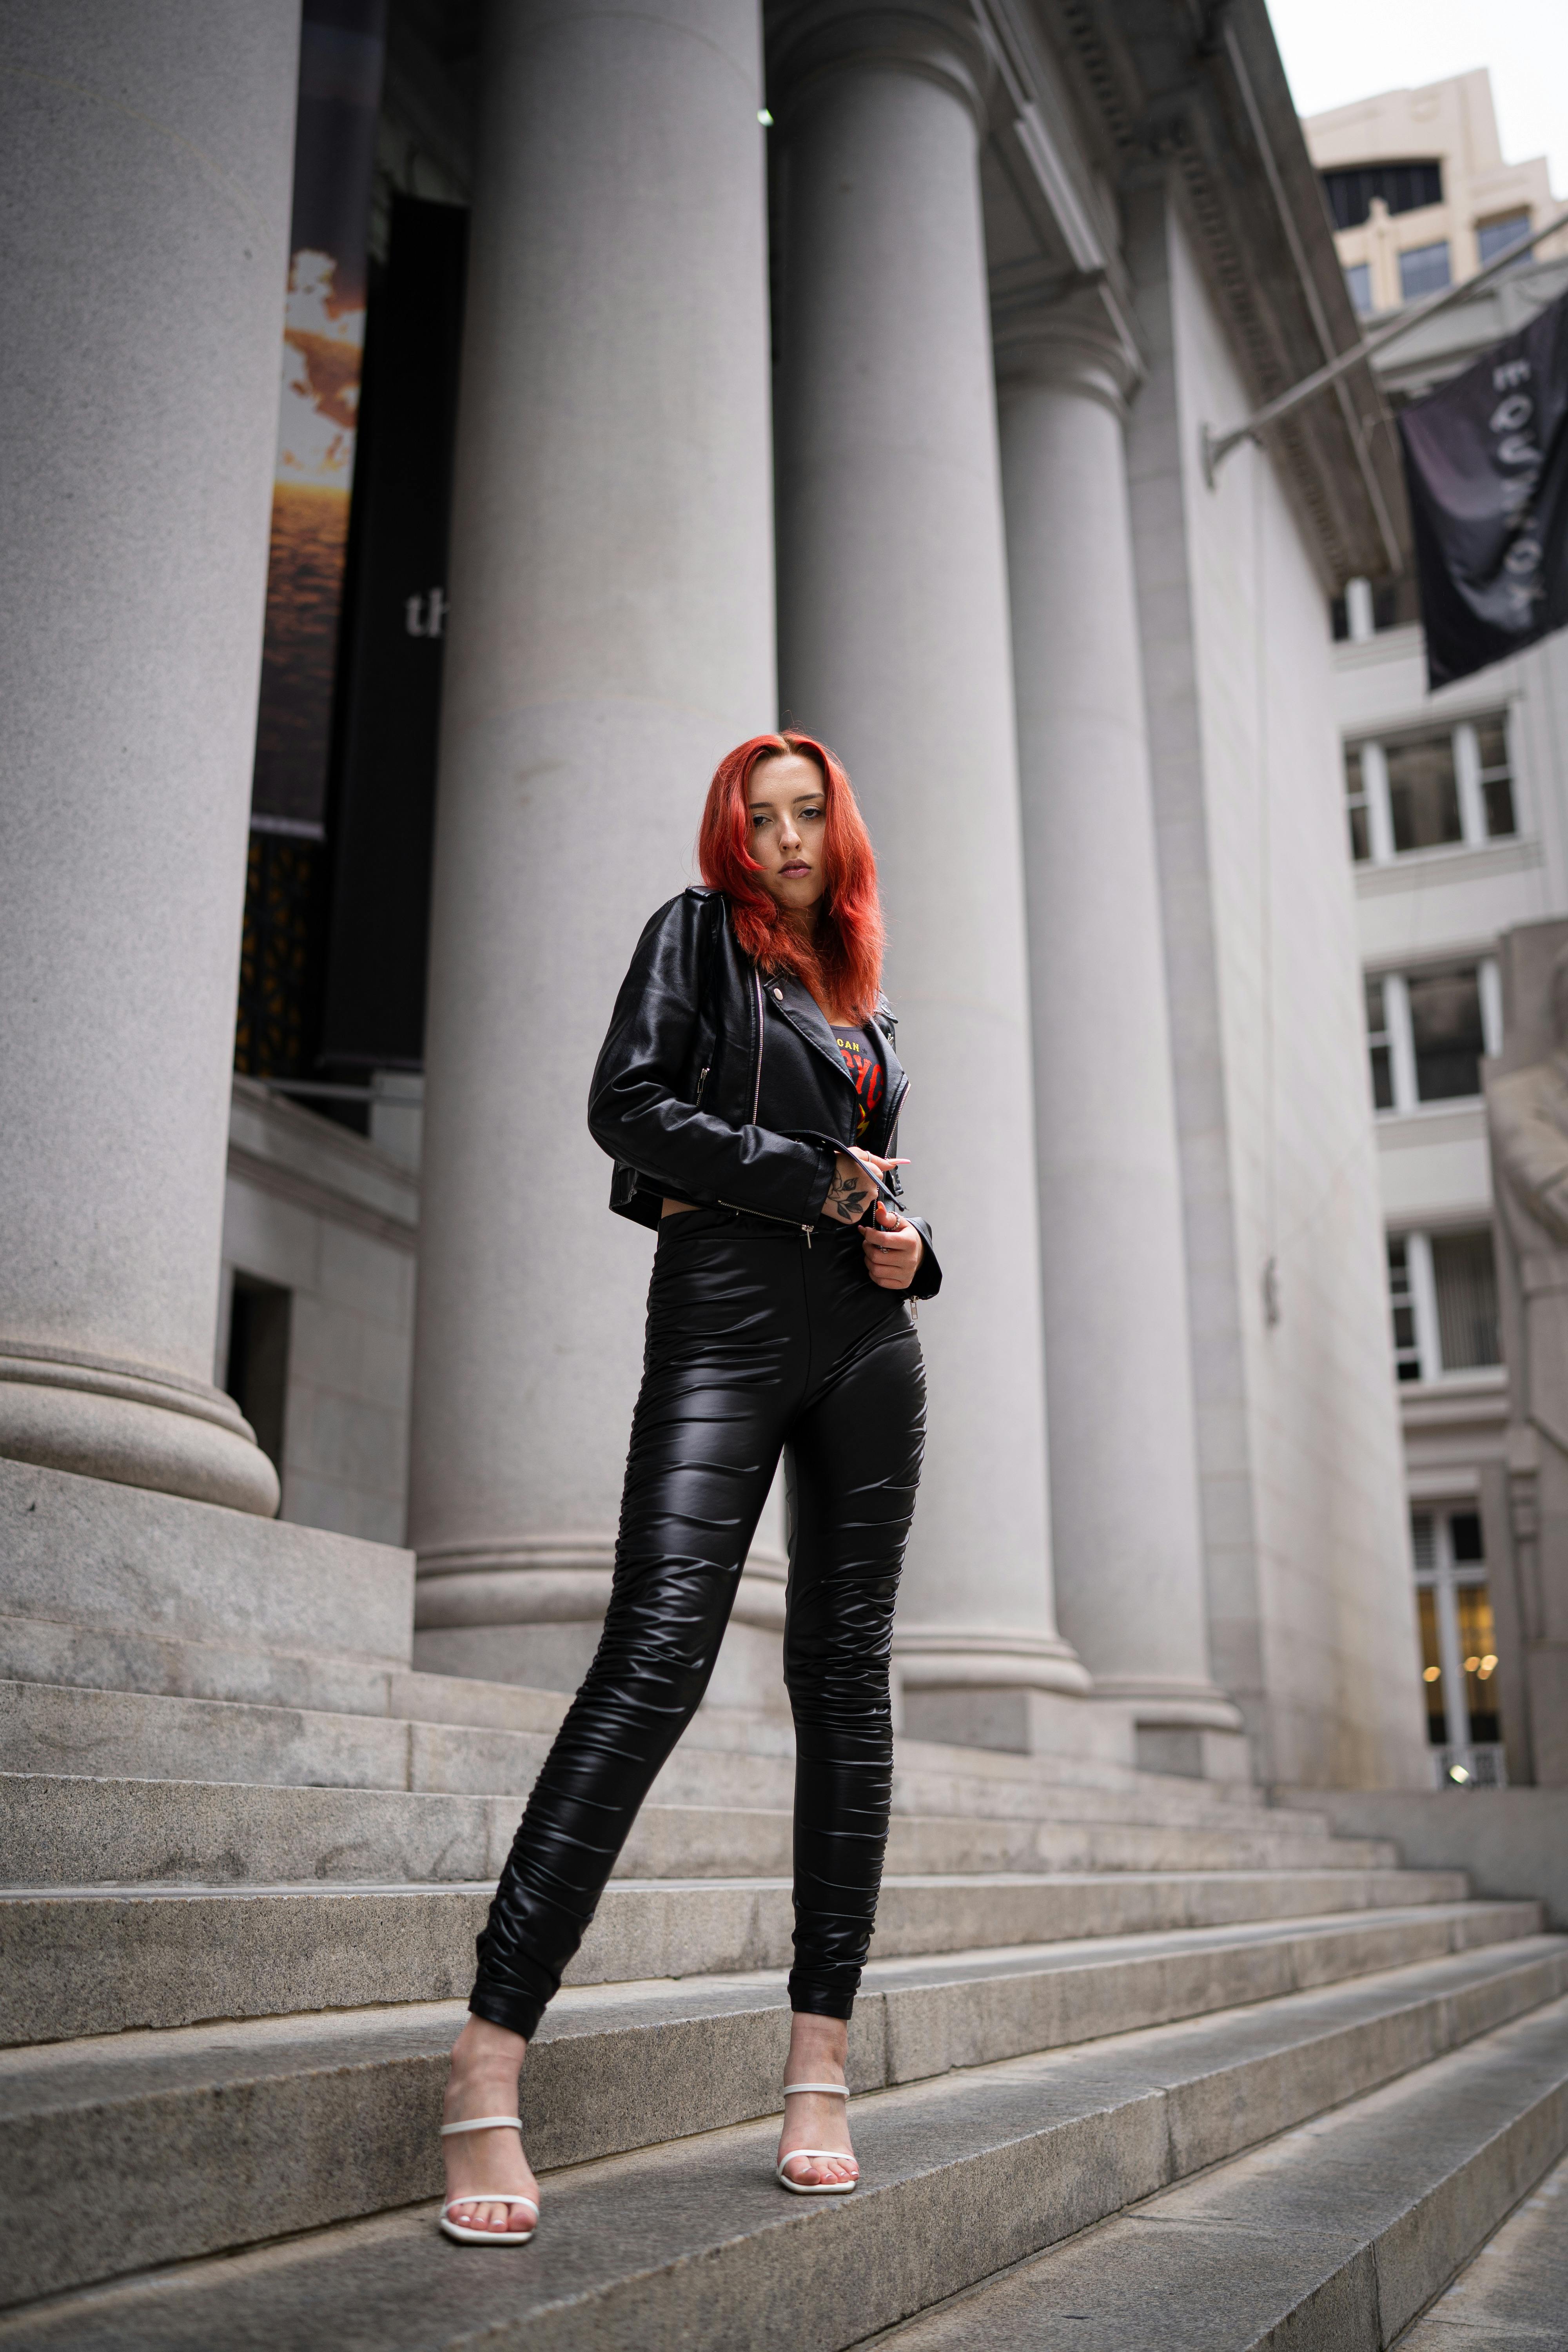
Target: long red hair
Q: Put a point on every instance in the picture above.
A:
(842, 966)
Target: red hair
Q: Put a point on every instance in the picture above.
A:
(842, 966)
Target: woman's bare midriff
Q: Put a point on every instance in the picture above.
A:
(676, 1208)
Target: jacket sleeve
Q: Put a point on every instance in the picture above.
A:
(636, 1111)
(928, 1274)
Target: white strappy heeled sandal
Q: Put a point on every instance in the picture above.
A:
(817, 2155)
(460, 2230)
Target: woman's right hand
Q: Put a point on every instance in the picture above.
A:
(851, 1192)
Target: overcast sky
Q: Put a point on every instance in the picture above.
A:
(1338, 50)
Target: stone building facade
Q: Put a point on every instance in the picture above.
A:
(1457, 826)
(841, 362)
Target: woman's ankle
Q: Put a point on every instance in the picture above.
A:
(484, 2052)
(818, 2048)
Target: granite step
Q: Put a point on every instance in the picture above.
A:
(692, 2243)
(150, 2127)
(1513, 2295)
(498, 1745)
(1330, 2239)
(65, 1829)
(88, 1960)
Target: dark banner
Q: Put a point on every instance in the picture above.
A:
(1486, 460)
(342, 52)
(396, 636)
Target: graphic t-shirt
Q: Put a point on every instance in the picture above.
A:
(866, 1070)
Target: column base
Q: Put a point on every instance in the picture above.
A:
(529, 1613)
(112, 1587)
(1190, 1729)
(1020, 1692)
(131, 1424)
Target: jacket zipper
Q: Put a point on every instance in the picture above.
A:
(756, 1101)
(770, 1217)
(701, 1082)
(757, 1088)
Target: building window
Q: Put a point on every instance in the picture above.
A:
(1355, 807)
(1423, 793)
(1401, 1299)
(1446, 1036)
(1423, 269)
(1426, 1032)
(1358, 285)
(1495, 773)
(1442, 1297)
(1458, 1647)
(1495, 236)
(1444, 788)
(1381, 1043)
(1395, 605)
(1463, 1276)
(1402, 187)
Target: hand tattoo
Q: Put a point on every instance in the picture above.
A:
(847, 1199)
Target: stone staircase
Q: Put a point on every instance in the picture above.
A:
(1139, 2061)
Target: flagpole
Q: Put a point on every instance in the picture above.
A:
(1217, 446)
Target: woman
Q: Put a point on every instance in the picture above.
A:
(749, 1094)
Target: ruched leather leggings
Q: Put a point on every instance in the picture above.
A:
(757, 1342)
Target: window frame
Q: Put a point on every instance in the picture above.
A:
(1470, 777)
(1418, 1298)
(1413, 253)
(1444, 1579)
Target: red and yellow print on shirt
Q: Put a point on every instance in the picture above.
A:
(866, 1071)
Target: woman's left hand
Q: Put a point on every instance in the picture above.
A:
(893, 1249)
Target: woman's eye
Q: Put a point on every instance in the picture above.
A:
(758, 822)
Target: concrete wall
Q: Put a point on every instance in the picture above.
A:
(1513, 1841)
(331, 1219)
(1311, 1616)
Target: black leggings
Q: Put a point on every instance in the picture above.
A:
(757, 1342)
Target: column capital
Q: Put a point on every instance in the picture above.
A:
(1069, 343)
(936, 39)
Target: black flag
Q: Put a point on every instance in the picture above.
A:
(1486, 462)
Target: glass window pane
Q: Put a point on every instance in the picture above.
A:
(1423, 793)
(1465, 1278)
(1491, 743)
(1374, 1008)
(1423, 269)
(1357, 283)
(1446, 1025)
(1464, 1535)
(1422, 1542)
(1361, 839)
(1495, 236)
(1432, 1666)
(1498, 794)
(1477, 1649)
(1382, 1079)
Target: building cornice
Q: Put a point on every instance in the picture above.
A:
(1197, 94)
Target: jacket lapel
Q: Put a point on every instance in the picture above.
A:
(806, 1017)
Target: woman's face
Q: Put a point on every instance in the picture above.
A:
(788, 810)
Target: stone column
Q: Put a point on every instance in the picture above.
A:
(611, 637)
(1123, 1445)
(894, 648)
(146, 165)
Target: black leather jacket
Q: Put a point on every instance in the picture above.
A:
(698, 1044)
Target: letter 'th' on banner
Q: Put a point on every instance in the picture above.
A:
(1486, 462)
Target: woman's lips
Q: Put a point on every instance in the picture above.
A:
(796, 869)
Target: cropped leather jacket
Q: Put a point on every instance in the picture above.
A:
(721, 1084)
